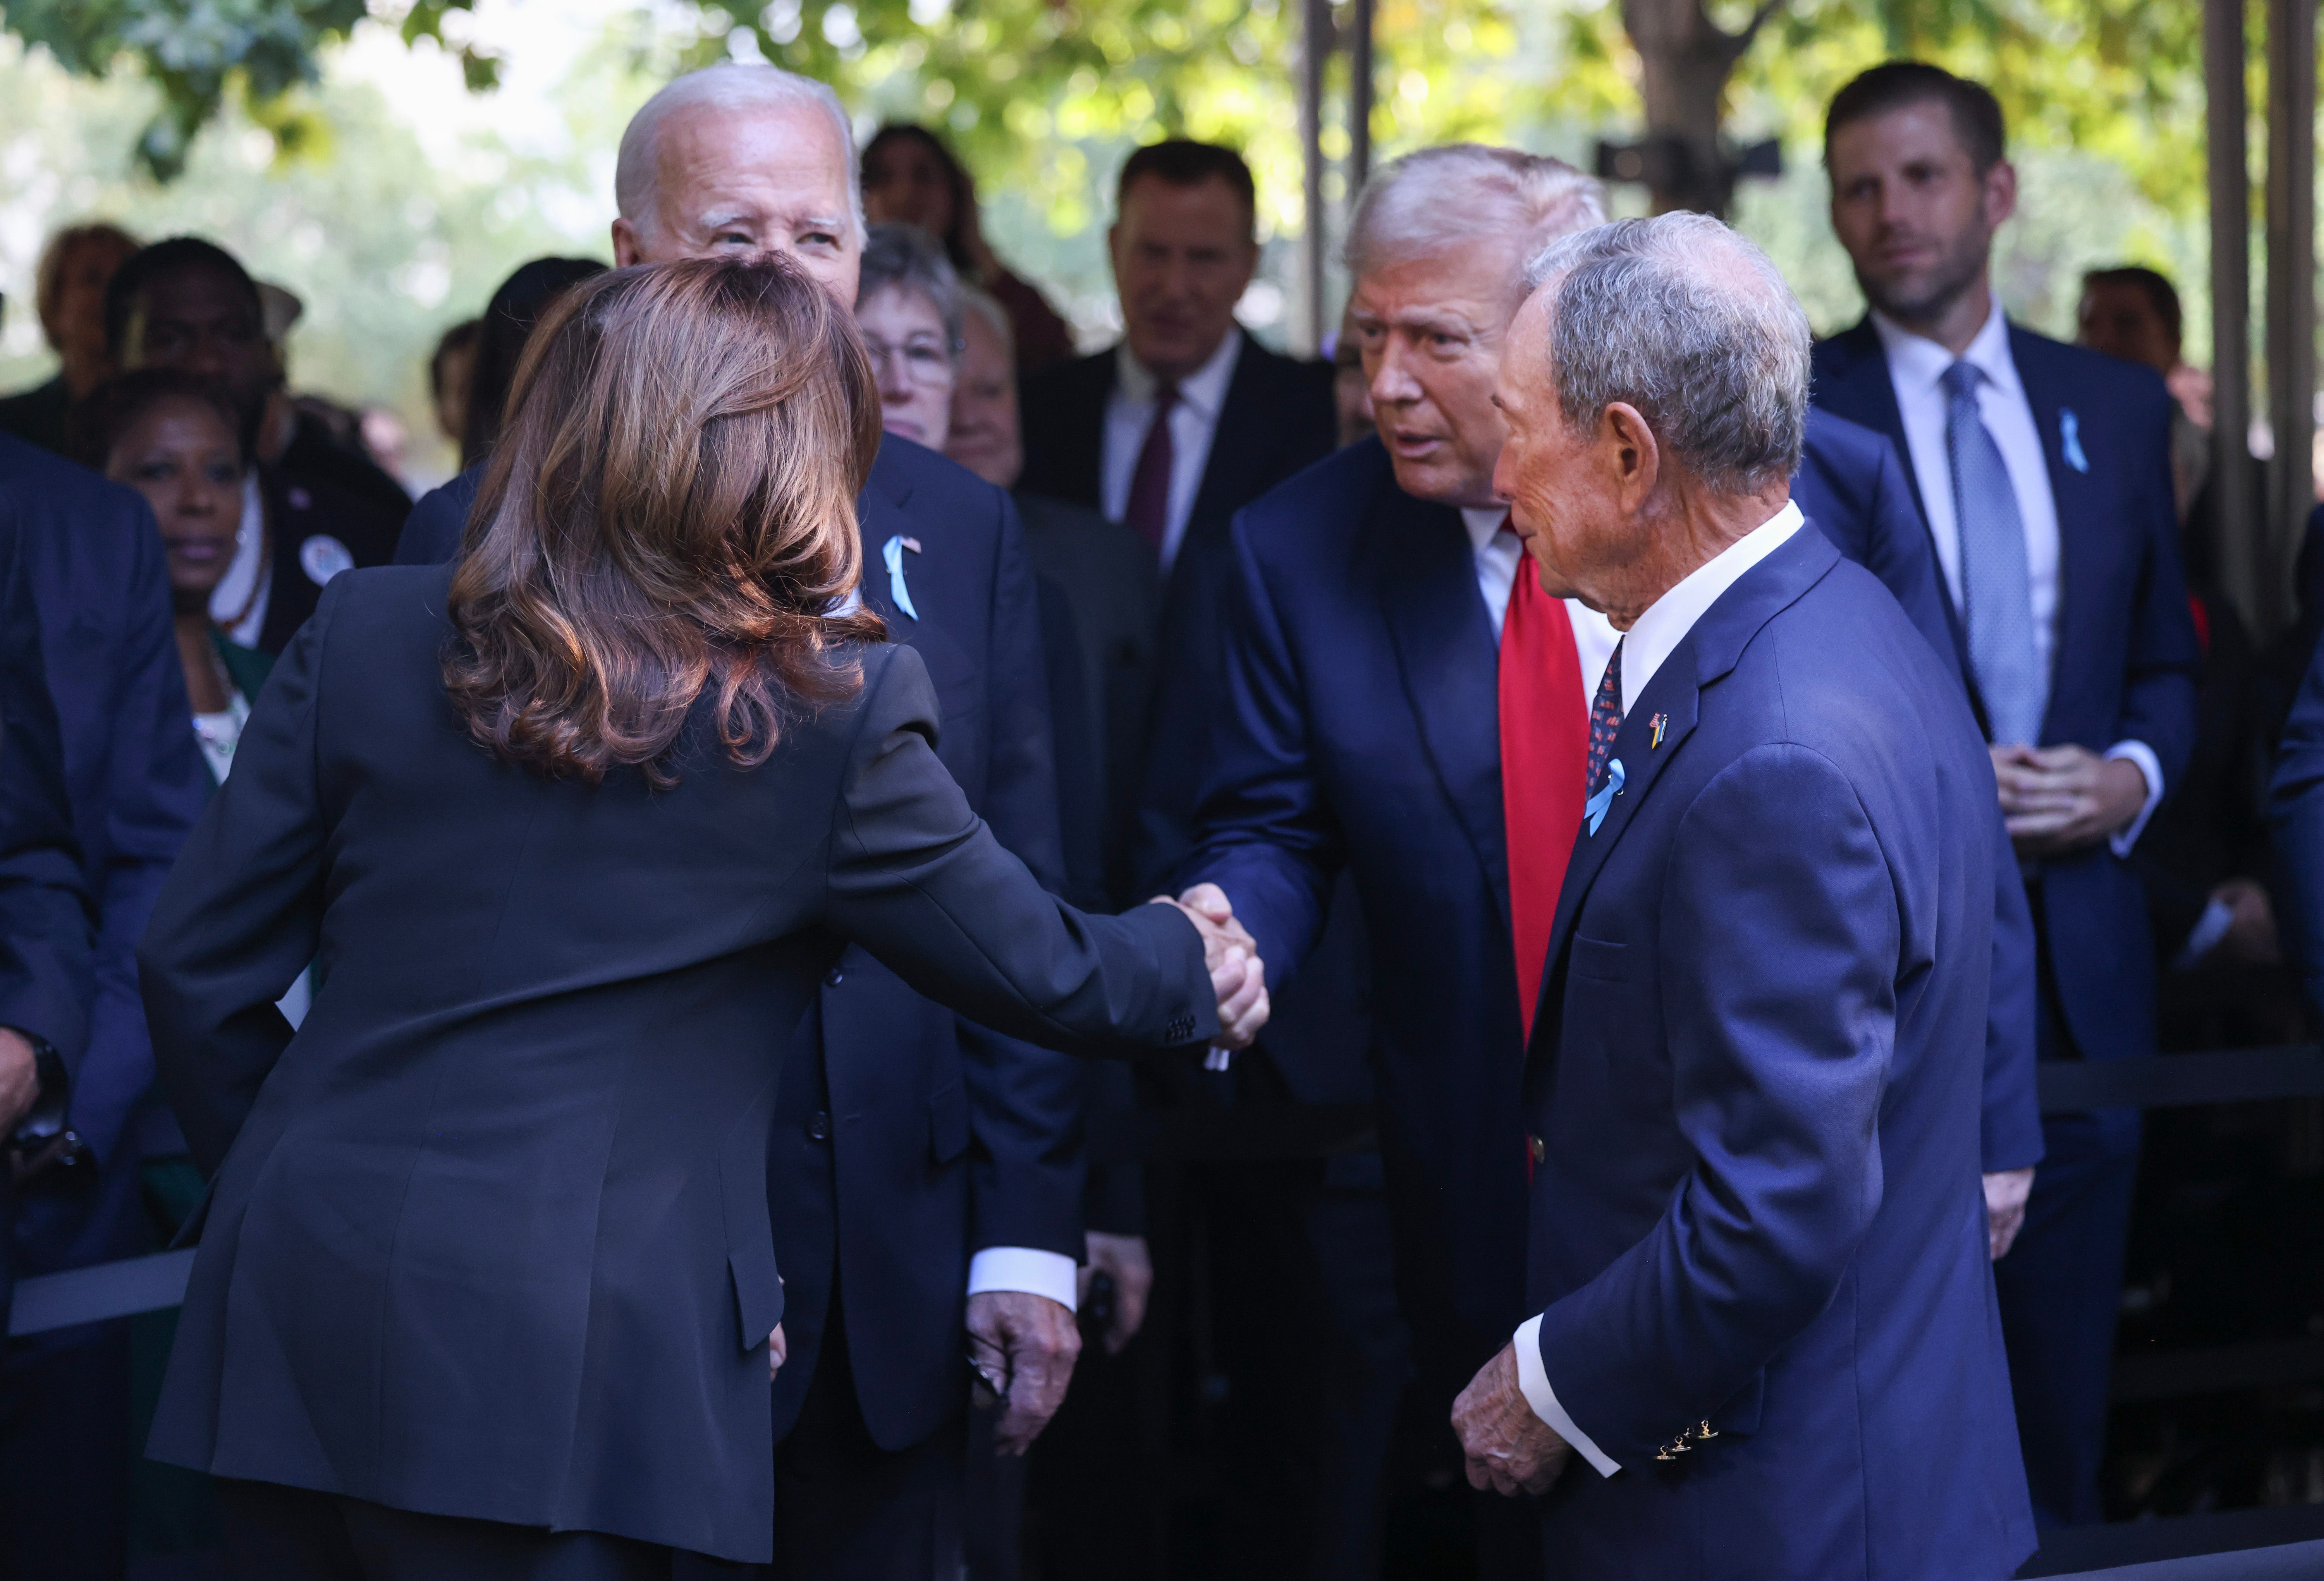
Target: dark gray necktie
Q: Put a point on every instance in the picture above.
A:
(1996, 587)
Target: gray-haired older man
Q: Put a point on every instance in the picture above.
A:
(923, 1173)
(1757, 1248)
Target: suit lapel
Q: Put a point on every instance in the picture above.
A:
(1236, 446)
(1708, 652)
(1854, 384)
(2080, 549)
(1445, 650)
(879, 517)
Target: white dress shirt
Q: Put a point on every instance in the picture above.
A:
(249, 576)
(1916, 369)
(1130, 413)
(1499, 553)
(1652, 638)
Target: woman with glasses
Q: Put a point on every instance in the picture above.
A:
(909, 309)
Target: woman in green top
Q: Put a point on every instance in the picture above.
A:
(171, 436)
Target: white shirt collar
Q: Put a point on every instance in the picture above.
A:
(1657, 633)
(1919, 364)
(1484, 522)
(1203, 391)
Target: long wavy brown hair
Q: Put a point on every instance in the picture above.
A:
(670, 516)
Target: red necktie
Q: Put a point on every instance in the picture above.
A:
(1545, 745)
(1149, 507)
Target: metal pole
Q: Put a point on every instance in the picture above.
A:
(2242, 548)
(1360, 97)
(1314, 49)
(2291, 297)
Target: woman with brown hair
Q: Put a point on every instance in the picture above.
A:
(486, 1284)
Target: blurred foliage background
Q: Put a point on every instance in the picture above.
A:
(391, 161)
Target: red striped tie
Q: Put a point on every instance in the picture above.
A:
(1544, 743)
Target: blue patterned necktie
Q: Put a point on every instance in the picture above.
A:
(1997, 588)
(1605, 719)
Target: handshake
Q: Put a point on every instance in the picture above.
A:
(1237, 974)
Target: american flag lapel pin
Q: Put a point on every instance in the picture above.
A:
(1661, 722)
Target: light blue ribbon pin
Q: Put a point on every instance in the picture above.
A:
(2070, 440)
(892, 552)
(1593, 811)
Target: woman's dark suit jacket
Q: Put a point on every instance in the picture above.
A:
(488, 1238)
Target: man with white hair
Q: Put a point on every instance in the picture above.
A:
(1406, 708)
(1757, 1249)
(923, 1173)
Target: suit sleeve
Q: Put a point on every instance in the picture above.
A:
(1780, 1038)
(2158, 694)
(1027, 1164)
(45, 932)
(155, 792)
(1897, 551)
(2296, 805)
(241, 916)
(918, 879)
(1261, 829)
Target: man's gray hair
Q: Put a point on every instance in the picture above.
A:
(1690, 323)
(733, 86)
(1467, 193)
(988, 307)
(909, 259)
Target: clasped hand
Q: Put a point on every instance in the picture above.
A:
(2062, 799)
(1238, 976)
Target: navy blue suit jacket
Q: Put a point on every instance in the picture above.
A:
(2297, 806)
(1853, 486)
(1359, 732)
(132, 767)
(946, 1138)
(1756, 1073)
(45, 930)
(2125, 658)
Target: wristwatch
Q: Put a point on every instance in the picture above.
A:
(42, 1141)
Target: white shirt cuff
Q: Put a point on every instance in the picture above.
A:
(2149, 764)
(1026, 1270)
(1534, 1379)
(2204, 937)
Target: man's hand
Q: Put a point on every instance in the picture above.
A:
(1238, 976)
(19, 1078)
(2006, 1191)
(1027, 1344)
(2251, 936)
(778, 1353)
(1125, 1260)
(1510, 1449)
(2062, 799)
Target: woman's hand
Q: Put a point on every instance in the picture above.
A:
(777, 1353)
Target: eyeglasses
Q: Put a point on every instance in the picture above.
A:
(926, 359)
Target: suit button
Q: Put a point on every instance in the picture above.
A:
(1536, 1149)
(834, 977)
(819, 1127)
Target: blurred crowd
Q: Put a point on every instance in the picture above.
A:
(1260, 1381)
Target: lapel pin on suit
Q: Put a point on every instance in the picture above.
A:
(1661, 722)
(1593, 811)
(2070, 440)
(892, 552)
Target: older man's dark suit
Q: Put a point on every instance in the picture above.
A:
(907, 1139)
(1357, 731)
(1755, 1215)
(135, 778)
(61, 1500)
(2124, 668)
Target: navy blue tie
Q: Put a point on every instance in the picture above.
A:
(1996, 587)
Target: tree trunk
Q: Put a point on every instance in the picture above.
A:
(1684, 60)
